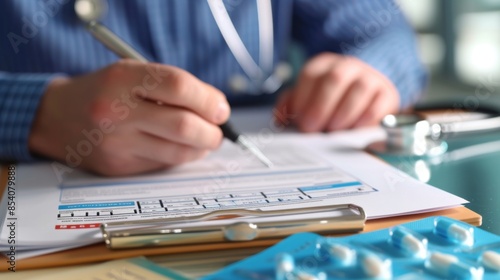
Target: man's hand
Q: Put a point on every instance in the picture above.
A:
(129, 118)
(337, 92)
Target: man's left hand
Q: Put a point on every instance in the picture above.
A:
(336, 92)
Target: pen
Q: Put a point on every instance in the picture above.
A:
(90, 11)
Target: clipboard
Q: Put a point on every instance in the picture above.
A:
(99, 252)
(242, 225)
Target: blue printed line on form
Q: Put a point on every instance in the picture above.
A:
(96, 205)
(333, 186)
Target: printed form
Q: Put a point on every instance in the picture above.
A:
(230, 179)
(66, 211)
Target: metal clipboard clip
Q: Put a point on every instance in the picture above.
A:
(244, 225)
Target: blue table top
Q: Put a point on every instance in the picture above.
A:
(470, 169)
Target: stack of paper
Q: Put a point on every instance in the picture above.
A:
(59, 209)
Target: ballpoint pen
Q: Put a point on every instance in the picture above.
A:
(89, 11)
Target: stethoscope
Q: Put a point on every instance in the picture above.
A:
(415, 143)
(412, 135)
(260, 77)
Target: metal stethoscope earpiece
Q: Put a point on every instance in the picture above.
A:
(414, 135)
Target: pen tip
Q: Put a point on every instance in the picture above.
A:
(267, 162)
(262, 158)
(248, 145)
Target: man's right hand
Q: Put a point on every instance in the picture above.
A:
(129, 118)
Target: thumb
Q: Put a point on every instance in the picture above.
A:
(282, 112)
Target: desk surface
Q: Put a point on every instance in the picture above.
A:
(470, 170)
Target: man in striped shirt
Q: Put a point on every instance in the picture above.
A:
(58, 85)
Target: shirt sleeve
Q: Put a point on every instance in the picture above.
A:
(20, 96)
(375, 31)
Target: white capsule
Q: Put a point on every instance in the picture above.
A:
(284, 266)
(454, 232)
(342, 254)
(307, 276)
(375, 267)
(460, 234)
(491, 260)
(413, 245)
(450, 267)
(440, 263)
(409, 243)
(285, 263)
(335, 252)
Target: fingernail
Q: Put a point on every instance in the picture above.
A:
(222, 112)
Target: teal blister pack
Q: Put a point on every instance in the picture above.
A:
(432, 248)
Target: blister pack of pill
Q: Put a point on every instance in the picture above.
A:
(432, 248)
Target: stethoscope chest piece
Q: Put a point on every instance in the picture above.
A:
(409, 135)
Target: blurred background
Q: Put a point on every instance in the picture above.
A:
(459, 42)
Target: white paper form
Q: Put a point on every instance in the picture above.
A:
(73, 209)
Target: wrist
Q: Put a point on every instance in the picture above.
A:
(43, 139)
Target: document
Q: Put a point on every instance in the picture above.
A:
(63, 210)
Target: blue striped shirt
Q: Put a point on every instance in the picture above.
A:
(43, 38)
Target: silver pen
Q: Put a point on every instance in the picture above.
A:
(89, 11)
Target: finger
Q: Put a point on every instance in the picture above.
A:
(113, 164)
(313, 69)
(379, 107)
(282, 107)
(165, 152)
(138, 166)
(178, 125)
(352, 105)
(180, 88)
(328, 93)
